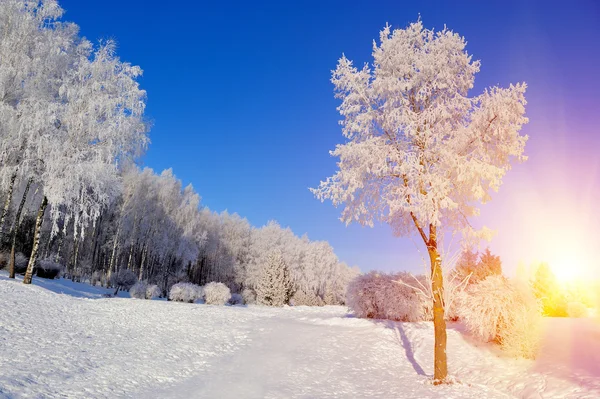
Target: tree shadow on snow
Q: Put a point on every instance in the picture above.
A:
(68, 287)
(404, 341)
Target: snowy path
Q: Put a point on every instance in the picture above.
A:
(301, 353)
(72, 346)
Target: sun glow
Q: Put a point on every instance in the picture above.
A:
(569, 254)
(568, 266)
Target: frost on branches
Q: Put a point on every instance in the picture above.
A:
(71, 114)
(420, 152)
(389, 296)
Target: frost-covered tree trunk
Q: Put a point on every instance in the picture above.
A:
(9, 194)
(439, 321)
(36, 241)
(11, 266)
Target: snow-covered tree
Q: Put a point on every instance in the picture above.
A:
(273, 285)
(123, 280)
(420, 152)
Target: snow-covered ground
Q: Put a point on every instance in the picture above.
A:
(79, 344)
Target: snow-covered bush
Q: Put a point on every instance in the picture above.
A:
(236, 299)
(138, 290)
(216, 293)
(304, 298)
(185, 292)
(506, 312)
(576, 309)
(249, 296)
(123, 280)
(152, 291)
(47, 268)
(98, 278)
(143, 290)
(21, 262)
(4, 259)
(384, 296)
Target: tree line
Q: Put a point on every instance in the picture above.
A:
(72, 126)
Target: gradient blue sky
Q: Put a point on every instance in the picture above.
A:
(243, 109)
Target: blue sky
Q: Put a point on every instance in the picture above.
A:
(242, 108)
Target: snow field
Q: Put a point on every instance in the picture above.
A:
(84, 345)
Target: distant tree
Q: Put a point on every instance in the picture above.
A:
(123, 280)
(548, 290)
(273, 286)
(477, 267)
(421, 153)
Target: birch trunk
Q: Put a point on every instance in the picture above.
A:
(11, 265)
(7, 203)
(130, 257)
(36, 241)
(114, 251)
(144, 252)
(75, 257)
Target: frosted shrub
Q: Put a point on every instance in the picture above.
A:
(139, 290)
(152, 291)
(185, 292)
(249, 296)
(20, 262)
(236, 299)
(47, 268)
(576, 309)
(304, 298)
(499, 310)
(216, 293)
(98, 278)
(521, 336)
(380, 296)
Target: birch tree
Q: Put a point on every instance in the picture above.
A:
(420, 153)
